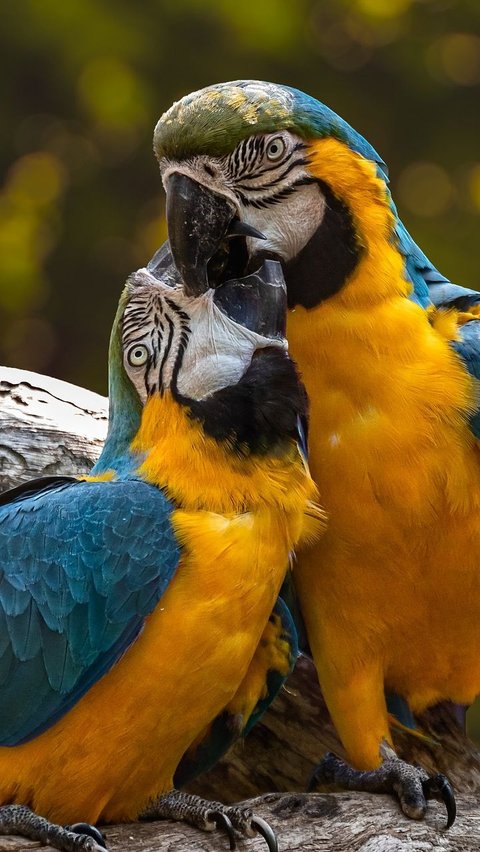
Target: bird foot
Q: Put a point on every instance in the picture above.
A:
(208, 816)
(413, 786)
(20, 820)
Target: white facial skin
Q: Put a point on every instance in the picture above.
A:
(264, 177)
(161, 322)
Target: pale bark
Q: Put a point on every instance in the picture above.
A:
(49, 427)
(332, 822)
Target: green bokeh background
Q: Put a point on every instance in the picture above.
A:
(83, 82)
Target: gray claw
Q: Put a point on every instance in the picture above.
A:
(222, 821)
(439, 787)
(262, 827)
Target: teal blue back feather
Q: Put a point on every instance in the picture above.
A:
(82, 565)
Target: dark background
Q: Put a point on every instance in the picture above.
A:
(83, 82)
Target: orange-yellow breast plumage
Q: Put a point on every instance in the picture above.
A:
(196, 647)
(392, 591)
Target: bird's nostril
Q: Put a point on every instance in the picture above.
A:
(209, 170)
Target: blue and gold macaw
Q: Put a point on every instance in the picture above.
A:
(389, 351)
(140, 632)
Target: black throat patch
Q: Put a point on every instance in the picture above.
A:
(321, 268)
(260, 414)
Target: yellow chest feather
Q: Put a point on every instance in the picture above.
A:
(389, 399)
(389, 413)
(396, 576)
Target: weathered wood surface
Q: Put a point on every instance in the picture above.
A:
(333, 822)
(49, 427)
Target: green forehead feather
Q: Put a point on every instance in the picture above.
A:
(214, 120)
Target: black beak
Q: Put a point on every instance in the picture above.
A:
(201, 224)
(257, 301)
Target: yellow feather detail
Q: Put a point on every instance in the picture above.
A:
(107, 476)
(473, 313)
(411, 732)
(445, 321)
(273, 653)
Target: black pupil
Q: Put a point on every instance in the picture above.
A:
(138, 353)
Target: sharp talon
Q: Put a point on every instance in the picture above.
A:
(448, 797)
(262, 827)
(222, 821)
(90, 830)
(439, 787)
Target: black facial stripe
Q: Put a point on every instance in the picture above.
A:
(166, 352)
(129, 341)
(245, 156)
(245, 162)
(181, 352)
(281, 195)
(132, 320)
(145, 321)
(180, 313)
(300, 162)
(149, 387)
(236, 159)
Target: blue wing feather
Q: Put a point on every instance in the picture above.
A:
(468, 348)
(420, 271)
(81, 565)
(448, 295)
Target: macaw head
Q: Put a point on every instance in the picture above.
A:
(254, 170)
(195, 346)
(221, 354)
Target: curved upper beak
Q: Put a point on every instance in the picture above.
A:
(199, 221)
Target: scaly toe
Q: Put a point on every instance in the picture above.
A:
(411, 784)
(89, 830)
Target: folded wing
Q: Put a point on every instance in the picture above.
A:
(81, 566)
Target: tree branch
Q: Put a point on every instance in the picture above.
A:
(331, 822)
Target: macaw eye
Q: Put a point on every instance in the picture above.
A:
(275, 149)
(137, 356)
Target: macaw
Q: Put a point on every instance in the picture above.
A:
(140, 632)
(389, 351)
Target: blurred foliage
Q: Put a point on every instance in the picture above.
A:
(84, 81)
